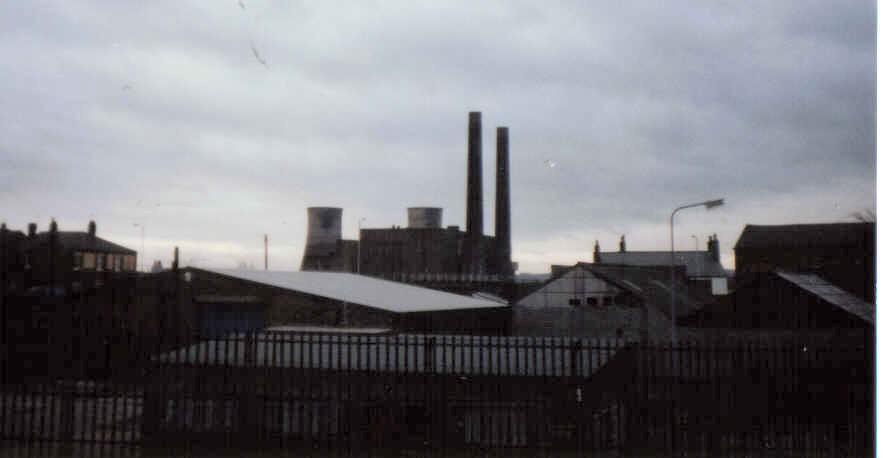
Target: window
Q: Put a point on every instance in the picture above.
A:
(575, 301)
(608, 300)
(78, 260)
(99, 261)
(88, 261)
(110, 260)
(592, 301)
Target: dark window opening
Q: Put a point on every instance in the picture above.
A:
(592, 301)
(608, 300)
(575, 301)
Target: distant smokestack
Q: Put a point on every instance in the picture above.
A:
(622, 244)
(323, 231)
(91, 228)
(502, 221)
(32, 230)
(474, 207)
(424, 217)
(266, 243)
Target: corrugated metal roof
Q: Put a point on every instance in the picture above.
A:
(831, 294)
(361, 290)
(452, 355)
(698, 263)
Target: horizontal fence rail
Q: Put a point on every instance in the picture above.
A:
(283, 393)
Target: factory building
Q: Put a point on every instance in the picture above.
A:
(426, 251)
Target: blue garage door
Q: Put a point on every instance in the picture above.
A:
(217, 320)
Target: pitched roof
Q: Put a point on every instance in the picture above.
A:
(698, 263)
(453, 355)
(81, 241)
(653, 284)
(831, 294)
(804, 235)
(362, 290)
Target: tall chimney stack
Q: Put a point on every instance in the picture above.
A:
(92, 229)
(502, 220)
(474, 210)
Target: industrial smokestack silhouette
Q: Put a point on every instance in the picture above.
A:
(502, 229)
(474, 208)
(323, 231)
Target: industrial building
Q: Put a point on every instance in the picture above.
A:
(425, 251)
(224, 301)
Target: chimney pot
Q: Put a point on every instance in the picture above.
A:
(91, 228)
(32, 229)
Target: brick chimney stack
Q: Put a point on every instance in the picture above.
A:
(714, 248)
(92, 229)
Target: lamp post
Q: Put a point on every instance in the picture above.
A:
(708, 204)
(141, 255)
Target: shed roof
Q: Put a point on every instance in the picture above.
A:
(698, 263)
(831, 294)
(450, 355)
(804, 235)
(362, 290)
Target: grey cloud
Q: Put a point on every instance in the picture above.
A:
(642, 106)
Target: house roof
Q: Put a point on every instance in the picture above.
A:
(698, 263)
(653, 284)
(831, 294)
(650, 283)
(804, 235)
(362, 290)
(80, 241)
(450, 355)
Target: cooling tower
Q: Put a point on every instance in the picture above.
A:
(424, 218)
(323, 231)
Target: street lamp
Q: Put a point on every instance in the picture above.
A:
(708, 204)
(141, 255)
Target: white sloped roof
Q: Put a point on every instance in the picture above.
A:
(361, 290)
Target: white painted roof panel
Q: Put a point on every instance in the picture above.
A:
(361, 290)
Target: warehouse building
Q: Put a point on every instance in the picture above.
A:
(227, 301)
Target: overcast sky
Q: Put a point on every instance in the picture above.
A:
(213, 122)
